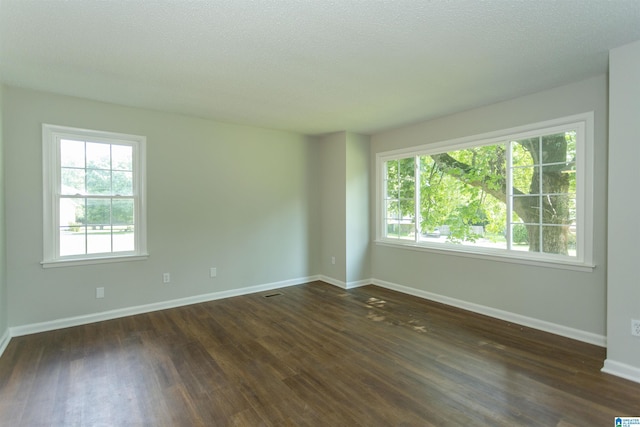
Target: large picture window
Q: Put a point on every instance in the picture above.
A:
(94, 195)
(523, 194)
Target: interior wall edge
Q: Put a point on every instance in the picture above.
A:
(345, 285)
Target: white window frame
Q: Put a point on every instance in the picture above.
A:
(584, 125)
(51, 163)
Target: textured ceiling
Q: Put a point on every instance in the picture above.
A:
(309, 66)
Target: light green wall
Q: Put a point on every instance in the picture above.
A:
(265, 206)
(357, 207)
(345, 208)
(219, 195)
(623, 298)
(568, 298)
(333, 206)
(4, 308)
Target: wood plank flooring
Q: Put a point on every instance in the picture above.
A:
(316, 355)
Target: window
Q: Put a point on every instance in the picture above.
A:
(522, 194)
(94, 188)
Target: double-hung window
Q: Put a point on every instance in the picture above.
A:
(94, 196)
(524, 194)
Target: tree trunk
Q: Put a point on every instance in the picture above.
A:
(551, 201)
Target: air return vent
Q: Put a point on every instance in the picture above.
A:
(276, 294)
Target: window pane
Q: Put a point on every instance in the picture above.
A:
(462, 196)
(400, 181)
(527, 208)
(72, 228)
(99, 241)
(71, 153)
(72, 212)
(123, 239)
(391, 188)
(400, 198)
(525, 152)
(520, 236)
(559, 209)
(392, 228)
(391, 183)
(393, 209)
(122, 183)
(122, 157)
(556, 240)
(98, 182)
(98, 213)
(402, 227)
(98, 155)
(558, 179)
(72, 241)
(93, 178)
(554, 148)
(122, 212)
(524, 182)
(407, 230)
(433, 199)
(98, 226)
(72, 181)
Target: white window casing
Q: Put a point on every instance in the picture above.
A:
(582, 260)
(53, 194)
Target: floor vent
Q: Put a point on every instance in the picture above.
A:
(277, 294)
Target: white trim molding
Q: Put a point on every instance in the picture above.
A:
(612, 367)
(582, 260)
(519, 319)
(628, 372)
(55, 193)
(346, 285)
(4, 341)
(33, 328)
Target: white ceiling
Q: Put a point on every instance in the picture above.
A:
(311, 66)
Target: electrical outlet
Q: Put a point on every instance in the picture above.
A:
(99, 292)
(635, 327)
(333, 260)
(213, 272)
(166, 278)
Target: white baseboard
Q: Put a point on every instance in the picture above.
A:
(576, 334)
(530, 322)
(147, 308)
(345, 285)
(4, 341)
(622, 370)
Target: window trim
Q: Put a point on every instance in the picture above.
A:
(51, 136)
(584, 123)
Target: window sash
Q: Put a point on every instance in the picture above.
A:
(583, 126)
(53, 194)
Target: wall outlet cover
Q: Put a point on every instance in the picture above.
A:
(635, 327)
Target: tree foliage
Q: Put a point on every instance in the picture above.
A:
(96, 169)
(465, 192)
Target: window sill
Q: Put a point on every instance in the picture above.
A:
(496, 256)
(88, 261)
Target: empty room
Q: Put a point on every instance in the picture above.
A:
(319, 213)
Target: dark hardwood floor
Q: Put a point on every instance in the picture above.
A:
(316, 355)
